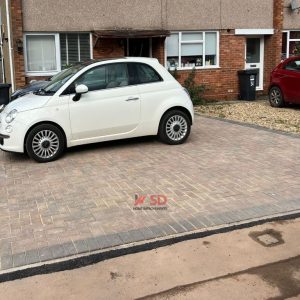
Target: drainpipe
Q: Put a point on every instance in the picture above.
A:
(10, 48)
(1, 54)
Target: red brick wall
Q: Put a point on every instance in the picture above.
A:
(158, 49)
(108, 48)
(17, 31)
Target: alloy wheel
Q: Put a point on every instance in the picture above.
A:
(176, 127)
(45, 144)
(275, 96)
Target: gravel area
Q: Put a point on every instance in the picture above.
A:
(257, 112)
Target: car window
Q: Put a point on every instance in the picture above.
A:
(105, 77)
(142, 73)
(293, 65)
(59, 80)
(117, 75)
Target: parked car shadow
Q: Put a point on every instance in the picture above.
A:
(292, 105)
(15, 157)
(133, 142)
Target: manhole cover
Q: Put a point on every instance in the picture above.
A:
(267, 238)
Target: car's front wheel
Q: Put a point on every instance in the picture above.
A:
(276, 97)
(174, 128)
(45, 143)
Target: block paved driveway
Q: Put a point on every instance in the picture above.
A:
(84, 202)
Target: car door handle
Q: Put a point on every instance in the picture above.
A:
(132, 99)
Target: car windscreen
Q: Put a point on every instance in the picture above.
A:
(59, 80)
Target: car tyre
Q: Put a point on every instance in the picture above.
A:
(45, 143)
(276, 97)
(174, 128)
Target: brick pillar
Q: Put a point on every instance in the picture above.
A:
(17, 34)
(158, 49)
(278, 26)
(273, 44)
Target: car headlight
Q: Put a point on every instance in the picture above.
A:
(11, 116)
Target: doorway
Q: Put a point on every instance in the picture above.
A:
(138, 47)
(255, 58)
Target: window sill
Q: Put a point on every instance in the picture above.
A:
(41, 74)
(196, 68)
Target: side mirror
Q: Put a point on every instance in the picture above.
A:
(80, 89)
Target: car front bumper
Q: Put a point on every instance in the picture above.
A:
(9, 144)
(12, 142)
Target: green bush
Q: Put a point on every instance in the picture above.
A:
(196, 91)
(174, 73)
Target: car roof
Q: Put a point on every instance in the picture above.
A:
(292, 58)
(115, 59)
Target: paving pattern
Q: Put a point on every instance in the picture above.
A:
(85, 201)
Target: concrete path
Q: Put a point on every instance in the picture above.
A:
(84, 202)
(226, 266)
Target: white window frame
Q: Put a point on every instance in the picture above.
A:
(91, 46)
(57, 55)
(180, 42)
(288, 32)
(78, 45)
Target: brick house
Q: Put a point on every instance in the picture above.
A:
(217, 37)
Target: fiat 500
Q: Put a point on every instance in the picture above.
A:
(97, 101)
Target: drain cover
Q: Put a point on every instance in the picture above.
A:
(267, 238)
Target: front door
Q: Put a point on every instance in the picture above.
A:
(110, 107)
(254, 58)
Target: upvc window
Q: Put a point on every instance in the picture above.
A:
(74, 47)
(48, 53)
(42, 54)
(187, 50)
(290, 44)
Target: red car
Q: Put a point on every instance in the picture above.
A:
(285, 83)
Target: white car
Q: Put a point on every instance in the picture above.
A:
(98, 101)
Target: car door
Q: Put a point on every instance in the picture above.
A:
(290, 80)
(110, 107)
(153, 90)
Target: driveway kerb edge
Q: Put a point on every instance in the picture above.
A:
(89, 258)
(249, 125)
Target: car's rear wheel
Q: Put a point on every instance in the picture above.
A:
(276, 97)
(174, 128)
(45, 143)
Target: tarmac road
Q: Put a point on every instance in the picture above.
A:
(261, 262)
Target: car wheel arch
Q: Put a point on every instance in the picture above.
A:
(44, 123)
(180, 108)
(279, 87)
(275, 85)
